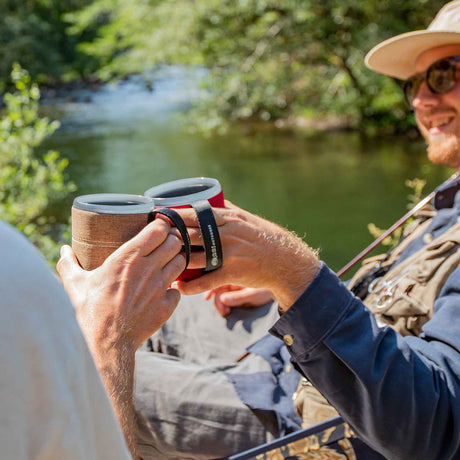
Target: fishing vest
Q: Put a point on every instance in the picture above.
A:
(401, 296)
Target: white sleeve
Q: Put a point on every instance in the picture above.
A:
(53, 404)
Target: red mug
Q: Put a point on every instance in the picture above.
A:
(181, 194)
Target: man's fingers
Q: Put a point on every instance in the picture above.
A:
(196, 238)
(68, 265)
(197, 260)
(246, 297)
(238, 298)
(168, 304)
(230, 205)
(163, 254)
(221, 290)
(198, 285)
(147, 240)
(174, 268)
(222, 309)
(190, 219)
(159, 312)
(172, 297)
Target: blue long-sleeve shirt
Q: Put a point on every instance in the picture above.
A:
(356, 365)
(400, 394)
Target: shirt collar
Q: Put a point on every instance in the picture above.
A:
(446, 195)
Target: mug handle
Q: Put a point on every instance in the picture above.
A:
(176, 219)
(210, 233)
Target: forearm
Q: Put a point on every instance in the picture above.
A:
(121, 304)
(116, 367)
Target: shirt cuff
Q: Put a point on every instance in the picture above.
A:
(315, 313)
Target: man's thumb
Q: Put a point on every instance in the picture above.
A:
(67, 265)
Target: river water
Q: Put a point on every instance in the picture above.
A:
(327, 187)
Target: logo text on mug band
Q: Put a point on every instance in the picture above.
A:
(214, 258)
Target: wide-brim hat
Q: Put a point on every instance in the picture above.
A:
(397, 56)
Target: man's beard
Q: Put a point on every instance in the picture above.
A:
(443, 149)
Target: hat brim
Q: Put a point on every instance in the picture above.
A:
(396, 56)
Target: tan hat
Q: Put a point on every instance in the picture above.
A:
(396, 56)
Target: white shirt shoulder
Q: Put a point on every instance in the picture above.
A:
(53, 404)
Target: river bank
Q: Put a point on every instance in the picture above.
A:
(85, 90)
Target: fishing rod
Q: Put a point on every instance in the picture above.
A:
(396, 225)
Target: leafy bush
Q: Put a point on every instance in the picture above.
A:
(34, 33)
(416, 185)
(30, 186)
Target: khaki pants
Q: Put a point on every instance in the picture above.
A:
(311, 405)
(186, 406)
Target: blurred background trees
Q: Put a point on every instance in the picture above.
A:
(34, 32)
(267, 59)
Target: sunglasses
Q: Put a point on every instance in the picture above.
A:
(440, 78)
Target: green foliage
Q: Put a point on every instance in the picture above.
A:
(30, 186)
(416, 185)
(125, 40)
(268, 59)
(34, 34)
(390, 240)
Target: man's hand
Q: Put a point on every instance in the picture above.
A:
(127, 298)
(256, 253)
(231, 296)
(122, 303)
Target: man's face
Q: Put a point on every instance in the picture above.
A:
(438, 115)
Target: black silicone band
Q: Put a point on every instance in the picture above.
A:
(210, 233)
(176, 219)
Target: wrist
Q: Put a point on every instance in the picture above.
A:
(291, 286)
